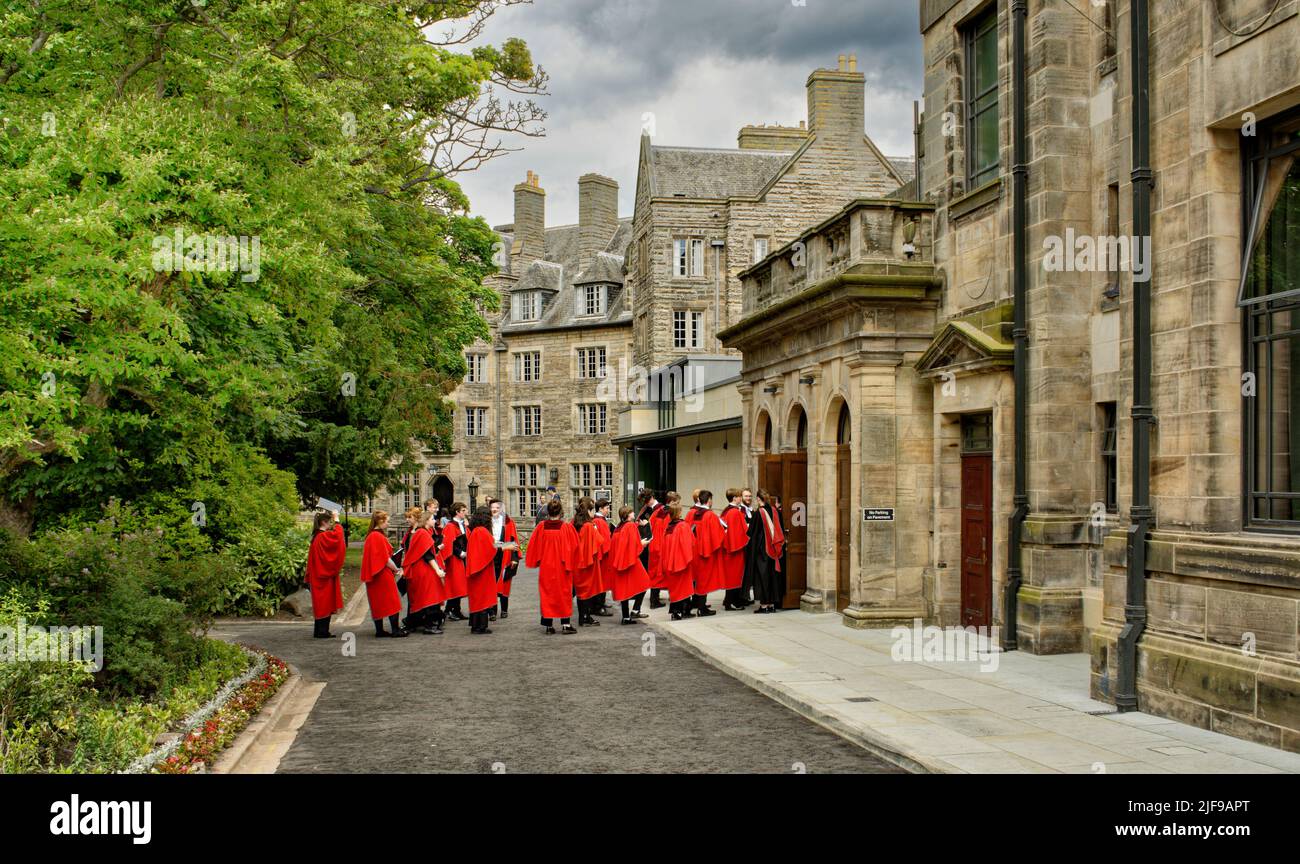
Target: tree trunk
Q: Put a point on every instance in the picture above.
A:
(18, 518)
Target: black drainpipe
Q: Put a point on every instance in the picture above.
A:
(1019, 331)
(1135, 605)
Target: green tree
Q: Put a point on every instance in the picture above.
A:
(141, 353)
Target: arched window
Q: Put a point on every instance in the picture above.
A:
(801, 434)
(844, 430)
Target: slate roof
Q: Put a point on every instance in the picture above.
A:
(700, 172)
(558, 273)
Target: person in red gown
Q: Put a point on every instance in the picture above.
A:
(452, 555)
(480, 570)
(600, 517)
(734, 543)
(377, 573)
(425, 589)
(676, 557)
(586, 565)
(627, 575)
(552, 549)
(329, 546)
(709, 532)
(658, 522)
(507, 558)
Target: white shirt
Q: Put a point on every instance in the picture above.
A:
(498, 527)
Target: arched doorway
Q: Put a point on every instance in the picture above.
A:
(843, 509)
(443, 489)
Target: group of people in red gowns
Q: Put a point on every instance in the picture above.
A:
(473, 558)
(688, 552)
(694, 552)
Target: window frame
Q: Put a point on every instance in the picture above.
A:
(1258, 328)
(972, 31)
(532, 299)
(522, 422)
(593, 418)
(480, 423)
(475, 367)
(522, 366)
(593, 362)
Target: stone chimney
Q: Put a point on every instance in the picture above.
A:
(530, 224)
(763, 137)
(597, 216)
(835, 103)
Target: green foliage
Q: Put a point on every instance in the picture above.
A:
(127, 371)
(151, 604)
(269, 568)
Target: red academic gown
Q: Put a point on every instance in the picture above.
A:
(381, 587)
(602, 555)
(423, 587)
(552, 548)
(452, 565)
(627, 577)
(707, 569)
(733, 547)
(509, 558)
(676, 556)
(586, 564)
(658, 522)
(480, 568)
(324, 563)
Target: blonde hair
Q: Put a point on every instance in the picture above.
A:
(675, 510)
(378, 518)
(671, 497)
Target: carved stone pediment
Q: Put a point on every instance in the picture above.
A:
(962, 347)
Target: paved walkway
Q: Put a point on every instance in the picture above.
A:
(1031, 715)
(611, 699)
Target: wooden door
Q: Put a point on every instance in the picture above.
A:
(794, 498)
(976, 540)
(843, 526)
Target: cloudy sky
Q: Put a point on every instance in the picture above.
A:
(702, 68)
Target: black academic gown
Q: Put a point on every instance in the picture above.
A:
(760, 570)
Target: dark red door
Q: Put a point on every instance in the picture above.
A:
(976, 540)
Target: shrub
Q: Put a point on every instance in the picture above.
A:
(153, 606)
(39, 701)
(268, 568)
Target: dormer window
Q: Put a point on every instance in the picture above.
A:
(527, 306)
(592, 300)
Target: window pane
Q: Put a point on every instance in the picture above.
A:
(1275, 264)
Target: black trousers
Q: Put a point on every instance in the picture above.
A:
(379, 624)
(478, 621)
(504, 602)
(636, 601)
(680, 607)
(322, 627)
(734, 597)
(548, 622)
(453, 607)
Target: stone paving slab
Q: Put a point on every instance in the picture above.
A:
(1029, 715)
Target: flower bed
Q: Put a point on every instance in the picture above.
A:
(212, 728)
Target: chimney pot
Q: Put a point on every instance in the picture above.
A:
(842, 66)
(853, 62)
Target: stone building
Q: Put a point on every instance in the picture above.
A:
(531, 412)
(899, 354)
(701, 217)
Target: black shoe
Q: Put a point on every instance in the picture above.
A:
(456, 616)
(492, 617)
(505, 614)
(729, 608)
(639, 614)
(550, 631)
(322, 635)
(569, 630)
(430, 631)
(400, 634)
(677, 616)
(626, 621)
(604, 612)
(705, 612)
(381, 634)
(485, 631)
(592, 622)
